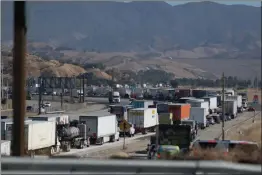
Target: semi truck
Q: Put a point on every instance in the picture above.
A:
(238, 99)
(101, 129)
(144, 119)
(72, 135)
(180, 111)
(199, 103)
(193, 127)
(212, 102)
(5, 123)
(36, 136)
(141, 103)
(231, 108)
(199, 115)
(121, 112)
(114, 97)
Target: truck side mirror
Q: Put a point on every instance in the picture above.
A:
(89, 129)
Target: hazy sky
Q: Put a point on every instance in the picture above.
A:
(247, 2)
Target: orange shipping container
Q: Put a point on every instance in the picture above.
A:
(179, 111)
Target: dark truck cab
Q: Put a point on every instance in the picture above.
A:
(171, 135)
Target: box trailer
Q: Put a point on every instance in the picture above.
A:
(230, 108)
(199, 115)
(179, 111)
(38, 135)
(144, 119)
(212, 103)
(5, 147)
(237, 98)
(185, 99)
(101, 129)
(200, 104)
(141, 103)
(5, 122)
(59, 118)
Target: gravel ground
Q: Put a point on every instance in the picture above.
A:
(137, 145)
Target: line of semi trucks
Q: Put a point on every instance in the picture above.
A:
(53, 133)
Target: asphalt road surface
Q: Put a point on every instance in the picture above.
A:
(139, 142)
(100, 100)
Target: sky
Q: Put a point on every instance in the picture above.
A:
(247, 2)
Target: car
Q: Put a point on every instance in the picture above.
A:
(250, 109)
(211, 120)
(47, 104)
(29, 108)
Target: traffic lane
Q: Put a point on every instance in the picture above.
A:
(101, 100)
(140, 144)
(215, 130)
(96, 148)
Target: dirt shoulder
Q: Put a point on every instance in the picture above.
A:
(247, 131)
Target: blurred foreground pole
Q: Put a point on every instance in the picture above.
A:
(223, 106)
(19, 78)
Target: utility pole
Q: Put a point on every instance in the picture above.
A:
(40, 85)
(223, 106)
(19, 78)
(80, 89)
(83, 99)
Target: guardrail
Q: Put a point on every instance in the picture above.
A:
(17, 165)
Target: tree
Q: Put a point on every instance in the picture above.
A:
(174, 83)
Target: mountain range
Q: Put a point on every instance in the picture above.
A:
(188, 31)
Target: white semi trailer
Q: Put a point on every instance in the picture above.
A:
(39, 135)
(101, 129)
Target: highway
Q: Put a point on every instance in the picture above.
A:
(100, 100)
(139, 142)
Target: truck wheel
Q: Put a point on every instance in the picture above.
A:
(81, 145)
(68, 147)
(52, 151)
(144, 131)
(101, 141)
(32, 154)
(113, 139)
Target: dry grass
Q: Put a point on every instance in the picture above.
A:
(248, 131)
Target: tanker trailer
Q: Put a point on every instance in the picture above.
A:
(72, 137)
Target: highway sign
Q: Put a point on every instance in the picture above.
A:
(124, 125)
(255, 99)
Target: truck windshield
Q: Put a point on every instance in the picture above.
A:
(187, 123)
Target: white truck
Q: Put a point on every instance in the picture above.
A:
(59, 118)
(212, 103)
(144, 119)
(39, 135)
(101, 129)
(237, 98)
(199, 115)
(114, 97)
(5, 123)
(200, 104)
(230, 108)
(5, 147)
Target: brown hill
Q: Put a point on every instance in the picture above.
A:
(36, 66)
